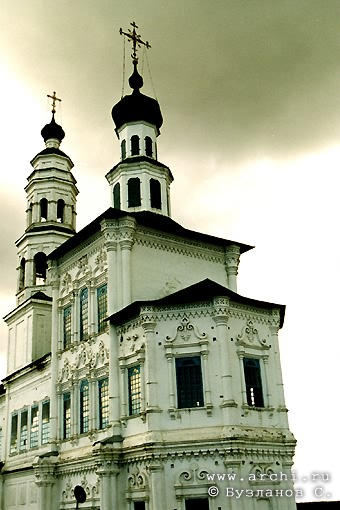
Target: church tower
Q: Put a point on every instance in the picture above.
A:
(51, 210)
(139, 182)
(50, 219)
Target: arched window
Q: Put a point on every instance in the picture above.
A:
(40, 268)
(22, 268)
(155, 194)
(148, 146)
(116, 196)
(123, 149)
(84, 316)
(134, 192)
(134, 145)
(43, 209)
(60, 210)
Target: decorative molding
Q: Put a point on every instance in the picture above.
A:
(85, 357)
(185, 331)
(249, 336)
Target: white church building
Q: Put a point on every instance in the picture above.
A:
(137, 377)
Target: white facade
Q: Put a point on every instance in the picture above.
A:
(135, 369)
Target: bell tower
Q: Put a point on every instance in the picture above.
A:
(51, 210)
(139, 182)
(50, 220)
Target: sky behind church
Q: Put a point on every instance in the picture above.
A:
(248, 92)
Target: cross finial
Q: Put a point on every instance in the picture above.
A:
(136, 40)
(54, 99)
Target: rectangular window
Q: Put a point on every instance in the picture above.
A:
(252, 375)
(134, 390)
(66, 415)
(139, 505)
(14, 433)
(23, 430)
(45, 424)
(197, 504)
(67, 326)
(84, 407)
(103, 387)
(84, 315)
(189, 382)
(34, 437)
(102, 307)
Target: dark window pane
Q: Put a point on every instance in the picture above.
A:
(134, 192)
(189, 382)
(252, 375)
(155, 194)
(40, 268)
(134, 145)
(43, 209)
(197, 504)
(139, 505)
(148, 146)
(60, 210)
(123, 149)
(67, 326)
(116, 196)
(14, 433)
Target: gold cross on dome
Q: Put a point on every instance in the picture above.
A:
(136, 40)
(54, 99)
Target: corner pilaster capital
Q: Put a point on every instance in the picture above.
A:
(232, 256)
(221, 311)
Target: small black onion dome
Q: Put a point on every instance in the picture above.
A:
(52, 130)
(137, 107)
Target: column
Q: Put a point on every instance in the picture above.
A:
(150, 364)
(54, 279)
(279, 396)
(44, 468)
(114, 380)
(127, 233)
(232, 259)
(205, 371)
(155, 470)
(52, 211)
(109, 231)
(92, 308)
(221, 317)
(172, 397)
(107, 470)
(243, 381)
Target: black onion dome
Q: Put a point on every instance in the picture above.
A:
(137, 107)
(52, 130)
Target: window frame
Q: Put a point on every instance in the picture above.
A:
(185, 400)
(254, 392)
(101, 310)
(84, 314)
(134, 391)
(103, 418)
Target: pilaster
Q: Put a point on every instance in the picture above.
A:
(232, 259)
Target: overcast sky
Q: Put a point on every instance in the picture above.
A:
(248, 92)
